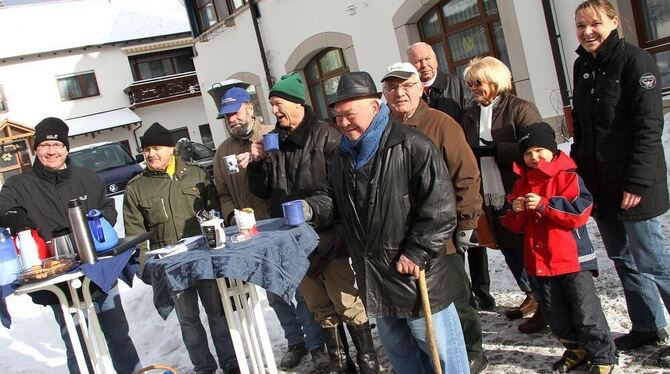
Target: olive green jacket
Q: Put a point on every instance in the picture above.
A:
(167, 205)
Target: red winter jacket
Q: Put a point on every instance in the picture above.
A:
(556, 241)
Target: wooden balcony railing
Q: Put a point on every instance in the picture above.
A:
(164, 89)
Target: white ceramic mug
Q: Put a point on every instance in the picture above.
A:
(213, 232)
(231, 164)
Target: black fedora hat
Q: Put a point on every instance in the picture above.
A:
(355, 84)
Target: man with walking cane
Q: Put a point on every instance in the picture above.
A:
(392, 191)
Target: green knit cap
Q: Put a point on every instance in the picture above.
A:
(289, 88)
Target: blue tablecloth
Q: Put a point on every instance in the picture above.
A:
(275, 259)
(103, 274)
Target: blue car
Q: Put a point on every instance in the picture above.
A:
(110, 160)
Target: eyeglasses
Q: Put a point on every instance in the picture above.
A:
(475, 83)
(55, 146)
(404, 86)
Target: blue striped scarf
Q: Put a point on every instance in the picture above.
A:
(363, 149)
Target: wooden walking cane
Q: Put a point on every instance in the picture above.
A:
(430, 334)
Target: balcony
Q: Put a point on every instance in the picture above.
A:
(164, 89)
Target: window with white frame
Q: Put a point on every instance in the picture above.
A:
(208, 13)
(78, 86)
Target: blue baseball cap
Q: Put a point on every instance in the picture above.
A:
(233, 100)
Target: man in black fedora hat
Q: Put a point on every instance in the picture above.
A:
(391, 189)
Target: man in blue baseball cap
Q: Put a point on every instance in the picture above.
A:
(237, 110)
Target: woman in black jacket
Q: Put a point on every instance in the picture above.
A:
(618, 122)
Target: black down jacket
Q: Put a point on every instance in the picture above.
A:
(295, 172)
(410, 209)
(618, 122)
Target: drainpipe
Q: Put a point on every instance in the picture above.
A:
(255, 15)
(137, 140)
(554, 37)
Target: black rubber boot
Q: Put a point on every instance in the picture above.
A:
(338, 356)
(367, 355)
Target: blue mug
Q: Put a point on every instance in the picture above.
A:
(271, 142)
(293, 214)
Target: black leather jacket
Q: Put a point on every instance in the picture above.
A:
(295, 172)
(410, 209)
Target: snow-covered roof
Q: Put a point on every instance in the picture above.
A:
(101, 121)
(40, 28)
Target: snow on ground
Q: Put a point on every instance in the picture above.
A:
(33, 345)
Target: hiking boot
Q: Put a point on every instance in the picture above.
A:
(571, 359)
(321, 360)
(293, 355)
(485, 302)
(536, 323)
(601, 369)
(636, 339)
(527, 307)
(479, 364)
(663, 358)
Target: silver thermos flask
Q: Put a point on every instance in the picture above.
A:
(81, 232)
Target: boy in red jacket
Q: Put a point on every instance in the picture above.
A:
(550, 204)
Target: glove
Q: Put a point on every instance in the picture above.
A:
(466, 239)
(16, 220)
(306, 210)
(489, 149)
(316, 265)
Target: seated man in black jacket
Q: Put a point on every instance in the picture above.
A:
(38, 199)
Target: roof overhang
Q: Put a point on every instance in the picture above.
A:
(102, 121)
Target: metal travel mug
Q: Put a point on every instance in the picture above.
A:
(81, 231)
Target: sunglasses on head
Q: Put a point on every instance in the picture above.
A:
(475, 83)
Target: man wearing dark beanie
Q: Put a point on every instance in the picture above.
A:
(306, 144)
(156, 135)
(155, 200)
(51, 129)
(37, 199)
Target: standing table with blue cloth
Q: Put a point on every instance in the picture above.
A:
(274, 259)
(104, 274)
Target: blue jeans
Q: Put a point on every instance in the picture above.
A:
(114, 327)
(193, 333)
(514, 261)
(297, 321)
(643, 264)
(405, 344)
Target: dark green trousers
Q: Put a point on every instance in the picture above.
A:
(460, 292)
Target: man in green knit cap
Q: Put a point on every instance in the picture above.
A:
(306, 144)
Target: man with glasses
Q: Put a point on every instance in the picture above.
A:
(402, 90)
(38, 199)
(447, 93)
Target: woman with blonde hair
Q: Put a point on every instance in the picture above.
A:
(490, 125)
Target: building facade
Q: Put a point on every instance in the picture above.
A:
(110, 68)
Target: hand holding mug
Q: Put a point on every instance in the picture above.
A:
(257, 151)
(243, 159)
(519, 204)
(532, 201)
